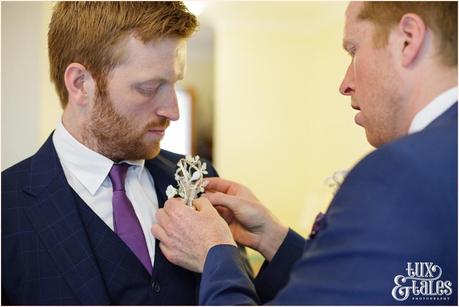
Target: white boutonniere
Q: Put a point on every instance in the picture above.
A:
(190, 179)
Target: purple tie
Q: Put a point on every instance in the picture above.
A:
(126, 224)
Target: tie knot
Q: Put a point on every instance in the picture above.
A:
(118, 176)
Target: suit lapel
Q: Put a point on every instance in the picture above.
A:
(55, 218)
(162, 170)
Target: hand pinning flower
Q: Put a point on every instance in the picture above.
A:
(190, 179)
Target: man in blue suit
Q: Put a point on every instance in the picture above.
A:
(390, 234)
(114, 66)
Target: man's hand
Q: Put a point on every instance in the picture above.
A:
(251, 223)
(186, 235)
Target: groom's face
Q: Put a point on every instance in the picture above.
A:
(371, 80)
(129, 122)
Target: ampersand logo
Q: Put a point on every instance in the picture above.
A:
(422, 282)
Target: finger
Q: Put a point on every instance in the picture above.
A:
(219, 184)
(202, 204)
(170, 203)
(163, 219)
(166, 251)
(170, 254)
(159, 232)
(229, 201)
(174, 257)
(176, 209)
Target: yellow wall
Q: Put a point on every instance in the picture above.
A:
(30, 107)
(50, 106)
(281, 125)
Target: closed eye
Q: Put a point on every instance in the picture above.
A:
(352, 52)
(350, 47)
(147, 90)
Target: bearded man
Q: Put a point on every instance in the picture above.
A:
(76, 216)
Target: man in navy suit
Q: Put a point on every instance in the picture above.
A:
(390, 234)
(114, 66)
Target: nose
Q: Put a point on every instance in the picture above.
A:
(347, 86)
(169, 108)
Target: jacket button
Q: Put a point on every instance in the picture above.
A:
(155, 286)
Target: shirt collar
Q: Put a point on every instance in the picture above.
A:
(433, 110)
(89, 167)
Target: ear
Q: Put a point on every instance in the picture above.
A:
(413, 32)
(79, 84)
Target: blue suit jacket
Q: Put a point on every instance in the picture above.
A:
(397, 206)
(48, 258)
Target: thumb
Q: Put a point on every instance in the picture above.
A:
(202, 204)
(220, 199)
(225, 213)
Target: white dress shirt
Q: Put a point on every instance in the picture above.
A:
(433, 110)
(87, 173)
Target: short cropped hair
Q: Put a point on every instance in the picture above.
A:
(88, 32)
(439, 16)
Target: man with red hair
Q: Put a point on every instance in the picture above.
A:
(76, 216)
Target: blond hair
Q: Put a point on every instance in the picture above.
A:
(439, 16)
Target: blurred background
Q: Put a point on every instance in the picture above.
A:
(260, 98)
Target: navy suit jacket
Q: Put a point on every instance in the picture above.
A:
(48, 258)
(397, 206)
